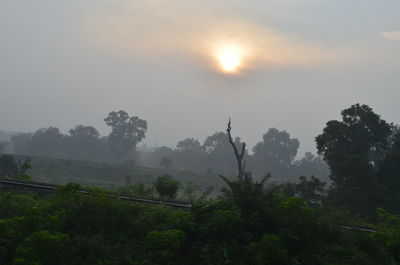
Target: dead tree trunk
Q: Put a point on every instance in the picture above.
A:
(239, 156)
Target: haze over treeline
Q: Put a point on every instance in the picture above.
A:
(276, 153)
(71, 62)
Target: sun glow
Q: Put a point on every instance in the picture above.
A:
(229, 58)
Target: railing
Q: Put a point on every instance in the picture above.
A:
(52, 188)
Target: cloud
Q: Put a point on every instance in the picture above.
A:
(152, 28)
(391, 35)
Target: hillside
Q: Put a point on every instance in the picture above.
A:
(109, 175)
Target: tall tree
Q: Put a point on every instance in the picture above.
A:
(126, 132)
(353, 149)
(389, 176)
(189, 153)
(166, 162)
(219, 152)
(20, 143)
(83, 142)
(275, 153)
(47, 141)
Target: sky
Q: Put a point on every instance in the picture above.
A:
(70, 62)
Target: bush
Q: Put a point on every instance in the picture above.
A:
(166, 187)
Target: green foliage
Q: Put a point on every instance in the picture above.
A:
(43, 248)
(75, 229)
(164, 246)
(389, 232)
(247, 195)
(166, 187)
(13, 168)
(354, 148)
(277, 148)
(270, 250)
(312, 191)
(8, 166)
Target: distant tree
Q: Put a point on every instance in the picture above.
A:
(83, 142)
(20, 143)
(166, 187)
(275, 153)
(189, 154)
(126, 132)
(8, 166)
(166, 162)
(311, 164)
(189, 144)
(47, 141)
(312, 191)
(219, 152)
(12, 168)
(5, 147)
(84, 131)
(353, 148)
(164, 151)
(278, 147)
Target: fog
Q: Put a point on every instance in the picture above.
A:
(70, 62)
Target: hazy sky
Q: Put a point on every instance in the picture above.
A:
(70, 62)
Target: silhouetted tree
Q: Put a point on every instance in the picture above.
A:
(20, 143)
(126, 132)
(47, 141)
(275, 153)
(353, 149)
(189, 153)
(83, 142)
(219, 153)
(13, 168)
(8, 166)
(312, 165)
(277, 147)
(243, 192)
(166, 162)
(389, 176)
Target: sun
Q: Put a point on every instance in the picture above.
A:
(229, 59)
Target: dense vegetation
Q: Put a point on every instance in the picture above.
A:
(71, 228)
(251, 222)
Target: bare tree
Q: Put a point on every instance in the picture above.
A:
(239, 156)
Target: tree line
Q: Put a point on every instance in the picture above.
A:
(275, 153)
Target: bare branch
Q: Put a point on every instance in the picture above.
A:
(239, 157)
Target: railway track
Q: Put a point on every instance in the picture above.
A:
(19, 185)
(42, 188)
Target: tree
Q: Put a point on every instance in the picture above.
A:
(47, 141)
(389, 176)
(126, 132)
(353, 149)
(8, 166)
(83, 142)
(219, 152)
(5, 147)
(243, 192)
(189, 153)
(166, 162)
(166, 187)
(12, 168)
(311, 164)
(277, 148)
(20, 143)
